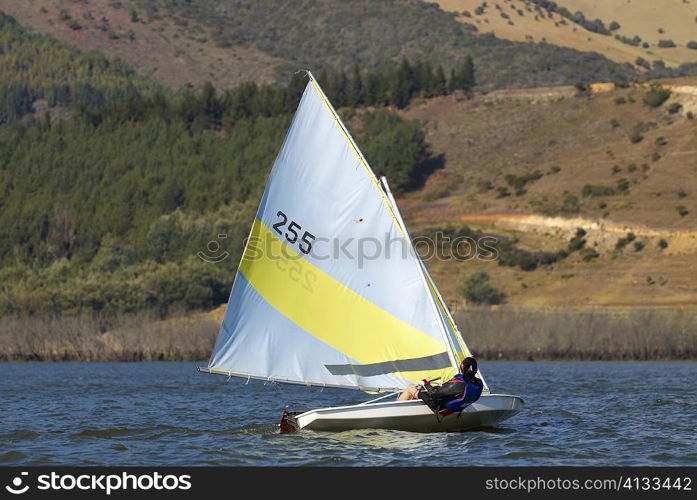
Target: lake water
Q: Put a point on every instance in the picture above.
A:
(586, 413)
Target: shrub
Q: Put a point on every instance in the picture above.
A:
(690, 115)
(692, 45)
(661, 141)
(662, 243)
(578, 241)
(674, 108)
(639, 246)
(616, 169)
(594, 190)
(640, 61)
(623, 185)
(615, 123)
(582, 88)
(570, 204)
(634, 41)
(666, 44)
(623, 242)
(484, 186)
(682, 210)
(656, 96)
(682, 193)
(620, 100)
(519, 182)
(477, 289)
(589, 254)
(502, 192)
(636, 137)
(555, 169)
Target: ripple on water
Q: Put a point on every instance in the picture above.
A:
(12, 456)
(195, 421)
(254, 429)
(111, 432)
(20, 435)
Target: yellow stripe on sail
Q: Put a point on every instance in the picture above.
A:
(328, 310)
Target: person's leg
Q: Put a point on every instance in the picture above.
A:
(410, 392)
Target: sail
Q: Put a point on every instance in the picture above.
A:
(329, 291)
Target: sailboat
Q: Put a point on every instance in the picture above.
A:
(330, 291)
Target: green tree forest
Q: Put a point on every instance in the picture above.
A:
(111, 184)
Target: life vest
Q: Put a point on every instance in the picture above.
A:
(469, 395)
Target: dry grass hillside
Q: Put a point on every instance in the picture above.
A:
(522, 20)
(652, 20)
(153, 46)
(591, 175)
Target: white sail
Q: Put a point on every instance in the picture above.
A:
(329, 291)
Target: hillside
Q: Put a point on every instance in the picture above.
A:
(652, 21)
(181, 43)
(526, 20)
(587, 173)
(112, 186)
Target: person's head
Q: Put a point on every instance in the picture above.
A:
(468, 367)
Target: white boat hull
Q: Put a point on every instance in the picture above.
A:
(413, 415)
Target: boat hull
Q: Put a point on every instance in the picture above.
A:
(413, 415)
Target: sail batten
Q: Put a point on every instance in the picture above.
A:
(309, 304)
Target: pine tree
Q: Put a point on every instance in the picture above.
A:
(468, 79)
(425, 79)
(453, 83)
(440, 84)
(354, 94)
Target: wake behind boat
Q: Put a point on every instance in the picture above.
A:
(309, 305)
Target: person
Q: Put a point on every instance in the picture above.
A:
(460, 391)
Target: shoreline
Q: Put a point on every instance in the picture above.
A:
(490, 334)
(149, 358)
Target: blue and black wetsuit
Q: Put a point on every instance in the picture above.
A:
(454, 395)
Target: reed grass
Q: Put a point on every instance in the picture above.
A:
(640, 334)
(635, 334)
(90, 337)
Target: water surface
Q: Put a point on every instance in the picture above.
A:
(585, 413)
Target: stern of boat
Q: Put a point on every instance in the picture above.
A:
(288, 423)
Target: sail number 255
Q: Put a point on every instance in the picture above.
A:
(292, 233)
